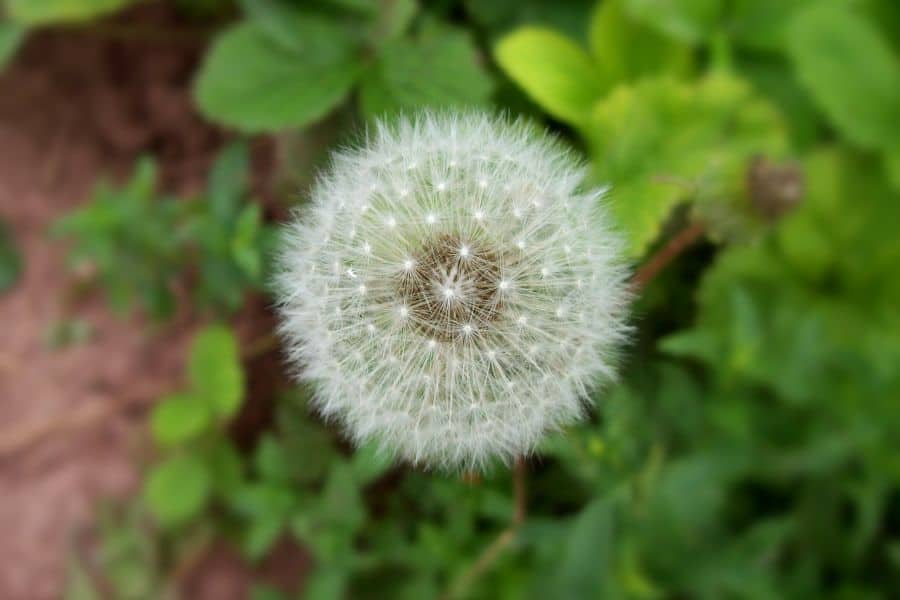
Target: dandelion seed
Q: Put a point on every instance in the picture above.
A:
(492, 382)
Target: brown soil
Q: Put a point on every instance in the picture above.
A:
(76, 106)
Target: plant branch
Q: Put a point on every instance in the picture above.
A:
(665, 255)
(506, 537)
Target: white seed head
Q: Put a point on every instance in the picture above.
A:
(453, 290)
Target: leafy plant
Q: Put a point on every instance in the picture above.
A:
(140, 245)
(287, 66)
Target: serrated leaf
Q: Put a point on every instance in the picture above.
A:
(44, 12)
(850, 71)
(177, 490)
(438, 69)
(178, 418)
(215, 370)
(251, 83)
(11, 37)
(557, 73)
(625, 50)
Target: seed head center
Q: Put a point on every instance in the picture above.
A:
(452, 289)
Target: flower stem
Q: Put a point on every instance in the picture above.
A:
(650, 269)
(493, 552)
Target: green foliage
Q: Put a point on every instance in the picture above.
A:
(288, 66)
(11, 37)
(43, 12)
(10, 259)
(554, 71)
(747, 451)
(190, 425)
(141, 245)
(252, 83)
(665, 142)
(851, 72)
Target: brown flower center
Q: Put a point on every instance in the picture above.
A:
(452, 288)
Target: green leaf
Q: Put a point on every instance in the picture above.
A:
(326, 583)
(11, 37)
(625, 50)
(586, 560)
(688, 20)
(178, 418)
(245, 245)
(369, 462)
(215, 370)
(891, 167)
(342, 506)
(762, 24)
(251, 83)
(553, 70)
(228, 181)
(10, 259)
(177, 490)
(270, 460)
(660, 142)
(44, 12)
(850, 71)
(438, 69)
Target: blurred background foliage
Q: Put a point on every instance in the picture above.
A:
(750, 449)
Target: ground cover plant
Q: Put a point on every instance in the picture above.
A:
(747, 448)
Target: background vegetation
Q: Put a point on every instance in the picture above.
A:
(750, 448)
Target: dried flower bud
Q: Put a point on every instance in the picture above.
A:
(453, 290)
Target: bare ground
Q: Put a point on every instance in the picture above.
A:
(74, 107)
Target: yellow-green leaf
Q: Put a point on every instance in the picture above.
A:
(552, 69)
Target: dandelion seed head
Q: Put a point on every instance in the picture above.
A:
(413, 326)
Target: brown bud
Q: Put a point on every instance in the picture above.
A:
(774, 189)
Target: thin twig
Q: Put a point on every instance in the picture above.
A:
(650, 269)
(506, 537)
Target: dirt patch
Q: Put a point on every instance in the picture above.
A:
(77, 106)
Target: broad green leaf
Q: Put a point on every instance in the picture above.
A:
(552, 69)
(177, 490)
(320, 35)
(228, 181)
(215, 370)
(439, 68)
(178, 418)
(44, 12)
(687, 20)
(625, 50)
(10, 259)
(11, 37)
(251, 83)
(850, 71)
(660, 142)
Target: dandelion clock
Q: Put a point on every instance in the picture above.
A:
(453, 290)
